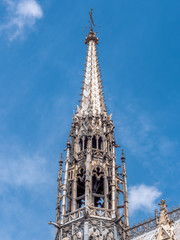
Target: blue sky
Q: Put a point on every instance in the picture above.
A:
(41, 66)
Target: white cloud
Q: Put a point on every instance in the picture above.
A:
(29, 8)
(20, 15)
(143, 198)
(21, 169)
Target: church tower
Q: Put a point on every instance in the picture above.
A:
(92, 201)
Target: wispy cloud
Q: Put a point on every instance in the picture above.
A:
(143, 198)
(140, 135)
(20, 15)
(21, 169)
(28, 176)
(25, 179)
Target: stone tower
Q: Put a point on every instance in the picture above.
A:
(92, 200)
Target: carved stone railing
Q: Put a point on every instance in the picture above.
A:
(79, 213)
(99, 212)
(141, 228)
(149, 225)
(90, 210)
(174, 214)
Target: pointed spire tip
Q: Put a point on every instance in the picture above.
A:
(91, 35)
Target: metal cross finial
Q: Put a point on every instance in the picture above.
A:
(91, 18)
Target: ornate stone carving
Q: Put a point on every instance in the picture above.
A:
(81, 174)
(110, 236)
(98, 154)
(81, 155)
(90, 194)
(164, 224)
(98, 172)
(94, 234)
(78, 236)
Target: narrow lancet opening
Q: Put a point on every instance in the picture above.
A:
(100, 143)
(80, 188)
(85, 143)
(94, 142)
(81, 144)
(109, 194)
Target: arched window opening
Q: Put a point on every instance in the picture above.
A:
(81, 144)
(81, 188)
(100, 143)
(85, 143)
(94, 142)
(109, 194)
(98, 188)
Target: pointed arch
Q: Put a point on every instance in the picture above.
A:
(98, 186)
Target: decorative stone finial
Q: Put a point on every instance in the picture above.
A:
(61, 159)
(68, 142)
(162, 204)
(163, 218)
(123, 157)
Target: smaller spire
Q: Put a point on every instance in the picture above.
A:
(163, 218)
(123, 157)
(125, 192)
(59, 190)
(68, 142)
(60, 169)
(61, 160)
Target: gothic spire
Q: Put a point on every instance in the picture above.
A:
(92, 95)
(125, 194)
(59, 190)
